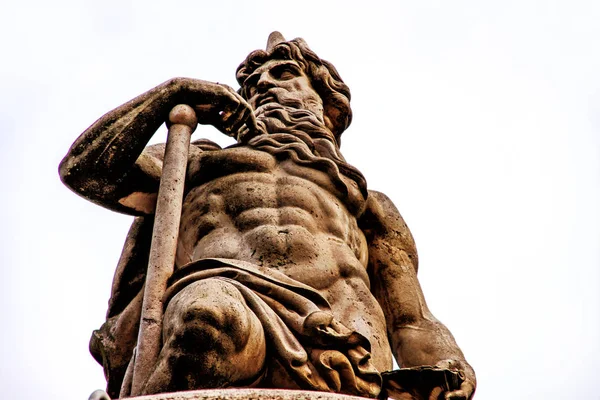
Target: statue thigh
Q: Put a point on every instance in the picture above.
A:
(211, 333)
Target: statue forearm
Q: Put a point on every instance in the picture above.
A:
(105, 151)
(417, 337)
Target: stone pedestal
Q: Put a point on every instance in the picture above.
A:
(248, 394)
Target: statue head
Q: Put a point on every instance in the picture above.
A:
(322, 77)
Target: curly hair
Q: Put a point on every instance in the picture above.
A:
(323, 76)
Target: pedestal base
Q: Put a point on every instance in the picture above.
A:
(248, 394)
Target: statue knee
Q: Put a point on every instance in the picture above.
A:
(211, 339)
(210, 331)
(209, 314)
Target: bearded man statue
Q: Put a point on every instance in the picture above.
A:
(289, 273)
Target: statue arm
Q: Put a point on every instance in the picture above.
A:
(107, 164)
(417, 337)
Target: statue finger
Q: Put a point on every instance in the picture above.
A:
(232, 112)
(242, 134)
(251, 123)
(234, 119)
(456, 395)
(246, 118)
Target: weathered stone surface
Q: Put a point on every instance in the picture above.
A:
(285, 271)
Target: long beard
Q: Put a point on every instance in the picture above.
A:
(298, 134)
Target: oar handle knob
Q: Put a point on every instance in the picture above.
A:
(182, 114)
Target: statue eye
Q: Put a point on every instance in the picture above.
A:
(285, 72)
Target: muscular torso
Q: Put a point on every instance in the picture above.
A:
(247, 205)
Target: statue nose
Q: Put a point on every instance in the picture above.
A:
(265, 82)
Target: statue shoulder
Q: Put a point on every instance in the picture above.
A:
(157, 151)
(206, 145)
(382, 221)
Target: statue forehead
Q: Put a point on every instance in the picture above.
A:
(273, 63)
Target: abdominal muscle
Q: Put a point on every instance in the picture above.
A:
(294, 226)
(279, 222)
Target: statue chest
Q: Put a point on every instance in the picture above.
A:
(246, 178)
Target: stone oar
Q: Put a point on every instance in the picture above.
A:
(182, 123)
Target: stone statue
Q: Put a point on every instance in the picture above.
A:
(289, 273)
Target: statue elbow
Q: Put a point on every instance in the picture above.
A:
(71, 175)
(67, 171)
(82, 181)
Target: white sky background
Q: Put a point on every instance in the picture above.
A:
(480, 119)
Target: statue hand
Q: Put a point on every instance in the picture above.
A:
(218, 105)
(464, 393)
(467, 387)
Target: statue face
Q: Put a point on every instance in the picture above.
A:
(283, 82)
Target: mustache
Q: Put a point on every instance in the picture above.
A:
(274, 97)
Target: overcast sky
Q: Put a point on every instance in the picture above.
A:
(480, 119)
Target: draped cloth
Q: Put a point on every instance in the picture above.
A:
(314, 350)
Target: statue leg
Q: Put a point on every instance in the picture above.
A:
(211, 339)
